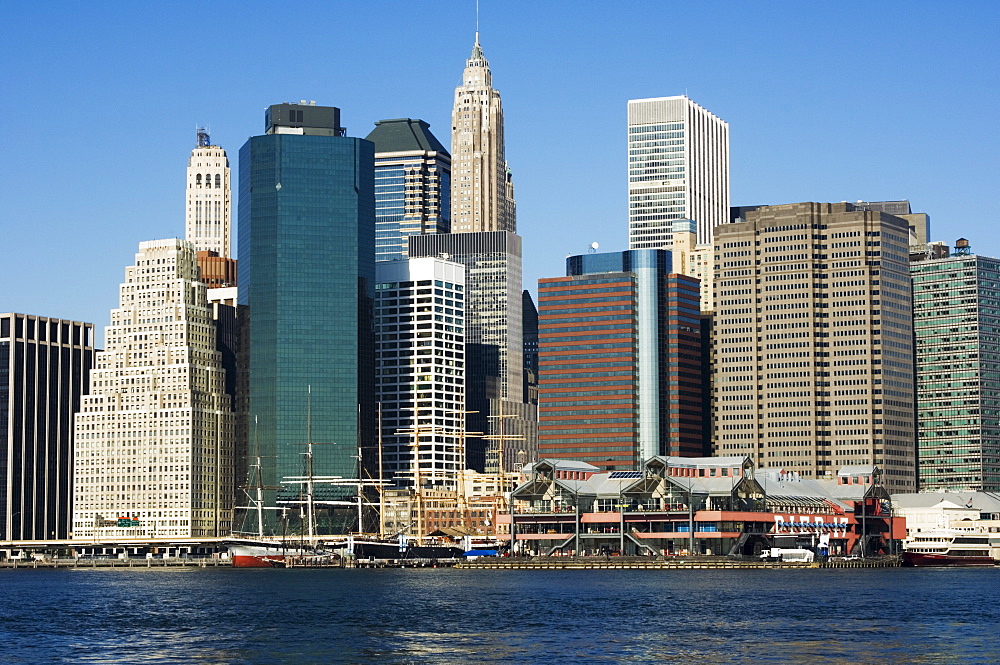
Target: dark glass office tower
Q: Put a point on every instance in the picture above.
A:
(44, 365)
(307, 272)
(412, 185)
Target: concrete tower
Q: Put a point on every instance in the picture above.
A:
(813, 341)
(209, 208)
(482, 191)
(678, 168)
(154, 438)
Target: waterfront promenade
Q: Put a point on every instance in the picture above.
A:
(483, 563)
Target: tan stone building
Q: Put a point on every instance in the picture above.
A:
(154, 437)
(482, 190)
(813, 341)
(208, 211)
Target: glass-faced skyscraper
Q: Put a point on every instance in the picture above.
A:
(412, 185)
(678, 168)
(956, 320)
(44, 364)
(307, 275)
(619, 361)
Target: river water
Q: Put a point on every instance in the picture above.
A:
(151, 616)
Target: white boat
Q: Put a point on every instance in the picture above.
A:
(952, 547)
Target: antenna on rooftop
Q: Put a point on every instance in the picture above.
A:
(593, 247)
(203, 139)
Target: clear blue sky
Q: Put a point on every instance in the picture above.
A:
(826, 102)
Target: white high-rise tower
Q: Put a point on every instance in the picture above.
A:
(482, 191)
(154, 438)
(209, 208)
(678, 168)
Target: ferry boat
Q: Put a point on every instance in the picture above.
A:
(951, 547)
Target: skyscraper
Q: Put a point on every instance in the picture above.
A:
(154, 437)
(678, 168)
(412, 185)
(620, 361)
(307, 275)
(956, 316)
(44, 365)
(493, 343)
(420, 362)
(482, 189)
(813, 350)
(209, 208)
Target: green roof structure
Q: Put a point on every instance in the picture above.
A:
(404, 135)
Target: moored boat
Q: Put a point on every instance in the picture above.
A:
(950, 547)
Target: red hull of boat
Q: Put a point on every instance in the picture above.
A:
(246, 561)
(920, 560)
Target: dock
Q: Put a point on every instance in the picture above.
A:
(664, 563)
(200, 562)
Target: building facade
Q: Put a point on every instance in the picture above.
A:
(707, 506)
(493, 344)
(420, 365)
(813, 341)
(412, 185)
(307, 277)
(482, 189)
(620, 361)
(154, 437)
(956, 314)
(44, 368)
(678, 168)
(209, 207)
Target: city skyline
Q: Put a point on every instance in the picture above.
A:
(544, 65)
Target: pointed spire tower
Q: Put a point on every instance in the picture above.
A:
(482, 193)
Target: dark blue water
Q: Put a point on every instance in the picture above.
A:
(453, 616)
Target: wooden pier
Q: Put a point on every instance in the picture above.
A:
(206, 562)
(664, 563)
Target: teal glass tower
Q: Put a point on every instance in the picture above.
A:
(307, 277)
(956, 320)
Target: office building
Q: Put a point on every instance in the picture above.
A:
(529, 336)
(691, 258)
(420, 364)
(956, 314)
(482, 189)
(307, 276)
(678, 168)
(154, 437)
(920, 223)
(619, 361)
(813, 341)
(209, 206)
(412, 185)
(494, 373)
(44, 366)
